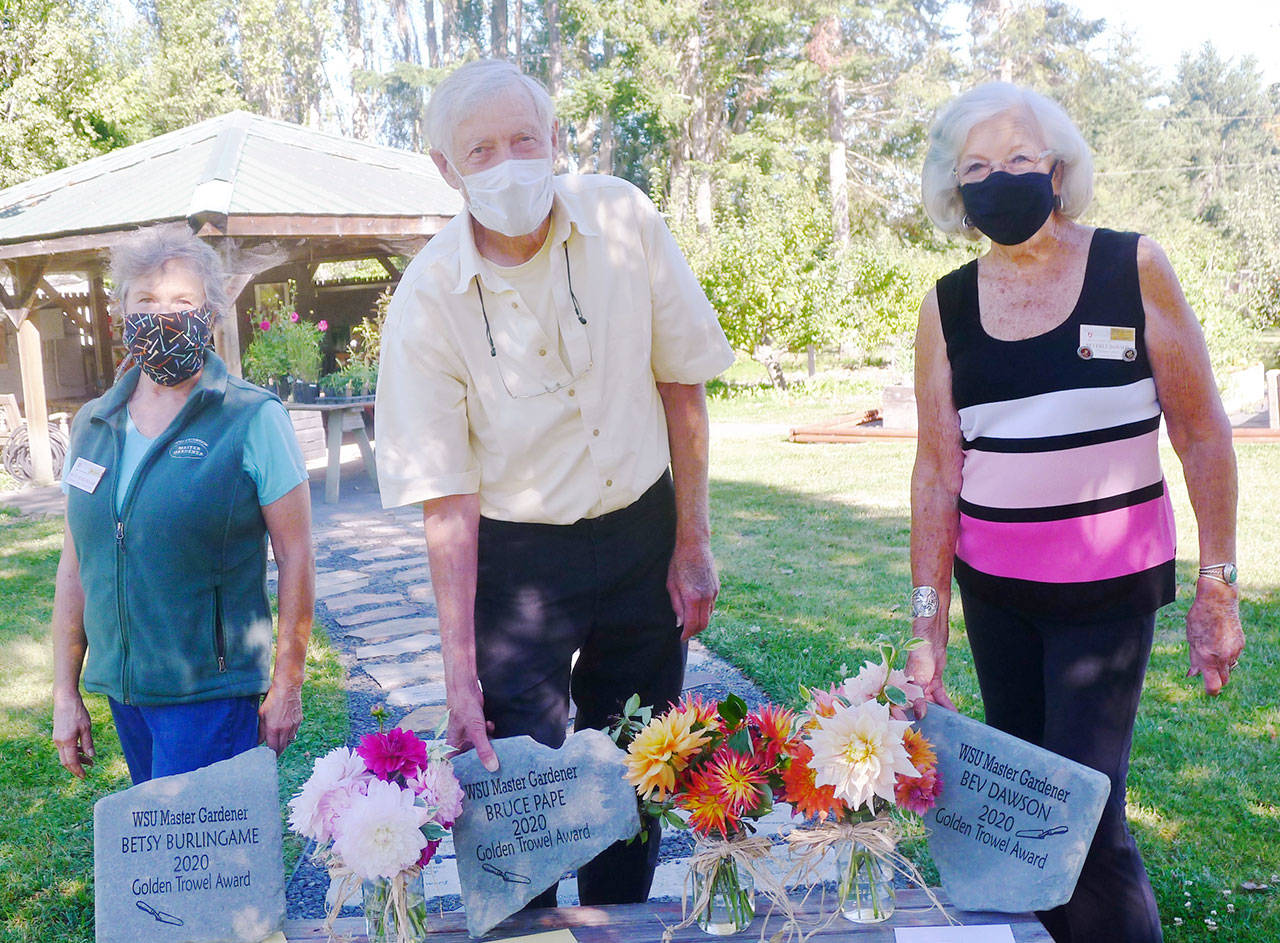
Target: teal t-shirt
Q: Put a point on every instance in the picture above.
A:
(272, 457)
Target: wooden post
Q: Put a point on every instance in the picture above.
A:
(226, 333)
(26, 281)
(100, 330)
(1273, 398)
(31, 364)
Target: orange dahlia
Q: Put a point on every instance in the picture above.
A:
(708, 808)
(736, 778)
(774, 728)
(808, 799)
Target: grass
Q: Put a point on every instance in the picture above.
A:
(812, 546)
(46, 816)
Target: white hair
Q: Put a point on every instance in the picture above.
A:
(951, 129)
(147, 251)
(468, 88)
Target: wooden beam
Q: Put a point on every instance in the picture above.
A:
(31, 364)
(97, 243)
(391, 270)
(26, 282)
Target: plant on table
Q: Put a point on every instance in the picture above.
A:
(377, 815)
(284, 348)
(713, 768)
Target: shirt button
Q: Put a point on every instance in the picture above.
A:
(571, 392)
(515, 304)
(608, 482)
(542, 352)
(595, 431)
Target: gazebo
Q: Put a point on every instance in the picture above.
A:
(273, 197)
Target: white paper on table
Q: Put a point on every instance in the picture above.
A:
(987, 933)
(552, 936)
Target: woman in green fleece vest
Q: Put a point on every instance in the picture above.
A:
(177, 476)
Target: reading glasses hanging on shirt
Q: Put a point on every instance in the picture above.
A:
(526, 391)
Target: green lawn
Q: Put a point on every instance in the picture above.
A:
(46, 816)
(812, 546)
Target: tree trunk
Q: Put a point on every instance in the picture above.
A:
(433, 45)
(767, 355)
(519, 31)
(838, 161)
(448, 29)
(353, 28)
(585, 139)
(405, 31)
(555, 75)
(604, 157)
(498, 46)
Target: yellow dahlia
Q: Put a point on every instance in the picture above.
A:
(662, 749)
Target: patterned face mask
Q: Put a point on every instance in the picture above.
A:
(169, 346)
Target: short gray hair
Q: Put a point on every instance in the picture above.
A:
(951, 129)
(147, 251)
(468, 88)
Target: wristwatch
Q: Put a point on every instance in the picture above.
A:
(924, 602)
(1222, 572)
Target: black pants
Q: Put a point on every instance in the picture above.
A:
(1073, 688)
(596, 587)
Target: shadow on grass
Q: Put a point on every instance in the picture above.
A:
(808, 583)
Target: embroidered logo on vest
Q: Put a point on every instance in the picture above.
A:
(189, 448)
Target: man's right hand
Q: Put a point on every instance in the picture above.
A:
(468, 730)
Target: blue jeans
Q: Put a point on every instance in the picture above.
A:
(178, 738)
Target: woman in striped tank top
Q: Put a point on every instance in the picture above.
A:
(1042, 372)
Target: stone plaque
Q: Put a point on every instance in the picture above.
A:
(544, 812)
(192, 857)
(1013, 822)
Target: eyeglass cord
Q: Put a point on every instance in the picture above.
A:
(493, 351)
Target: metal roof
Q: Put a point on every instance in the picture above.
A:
(237, 164)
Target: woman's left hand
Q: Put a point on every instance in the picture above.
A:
(1214, 636)
(279, 717)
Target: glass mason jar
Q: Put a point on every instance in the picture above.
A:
(865, 884)
(730, 893)
(382, 916)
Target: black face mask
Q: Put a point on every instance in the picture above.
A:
(169, 346)
(1009, 208)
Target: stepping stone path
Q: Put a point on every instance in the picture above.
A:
(374, 595)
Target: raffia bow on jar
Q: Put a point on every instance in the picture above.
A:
(860, 774)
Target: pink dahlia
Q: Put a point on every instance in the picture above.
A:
(394, 753)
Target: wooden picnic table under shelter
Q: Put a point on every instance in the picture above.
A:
(276, 199)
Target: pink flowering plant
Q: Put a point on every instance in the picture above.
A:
(377, 815)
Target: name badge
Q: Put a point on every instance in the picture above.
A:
(84, 475)
(1100, 342)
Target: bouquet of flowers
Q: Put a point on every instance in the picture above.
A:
(857, 766)
(377, 815)
(720, 765)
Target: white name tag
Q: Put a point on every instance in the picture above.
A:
(1100, 342)
(84, 475)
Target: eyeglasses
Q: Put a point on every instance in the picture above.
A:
(527, 387)
(976, 171)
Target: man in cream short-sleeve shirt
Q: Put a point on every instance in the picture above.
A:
(541, 393)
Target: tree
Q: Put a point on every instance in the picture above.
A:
(58, 101)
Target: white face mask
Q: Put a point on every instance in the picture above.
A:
(512, 198)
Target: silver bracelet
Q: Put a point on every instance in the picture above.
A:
(924, 602)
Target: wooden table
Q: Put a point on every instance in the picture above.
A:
(643, 923)
(341, 415)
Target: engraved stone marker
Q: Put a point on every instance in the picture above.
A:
(1013, 822)
(544, 812)
(192, 857)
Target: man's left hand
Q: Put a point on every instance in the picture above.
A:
(279, 717)
(693, 585)
(1214, 636)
